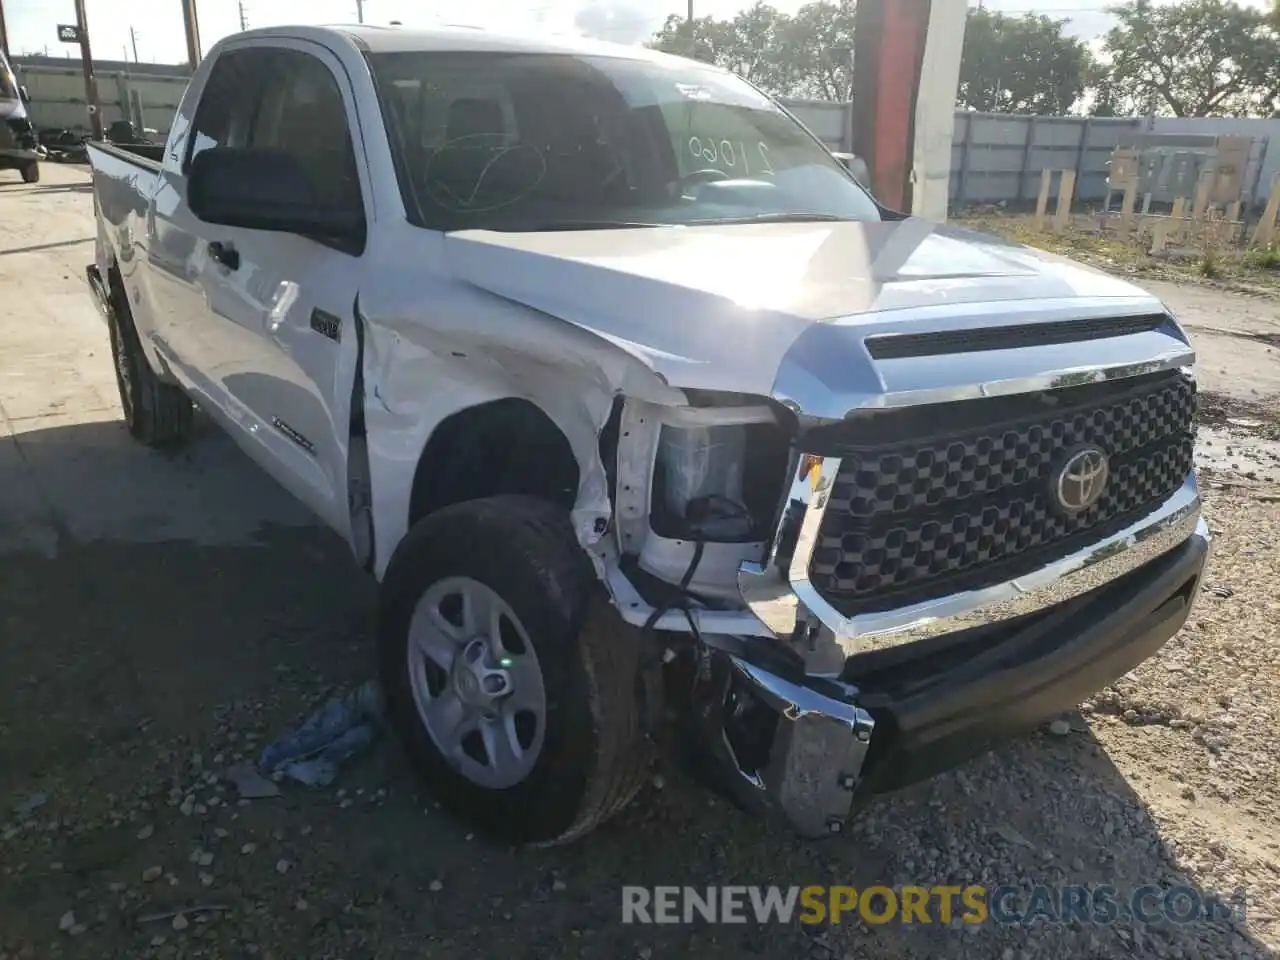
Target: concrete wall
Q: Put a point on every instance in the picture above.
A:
(1264, 162)
(999, 157)
(57, 91)
(827, 121)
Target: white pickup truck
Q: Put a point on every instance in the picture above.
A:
(653, 426)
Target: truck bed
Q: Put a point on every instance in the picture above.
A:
(146, 155)
(124, 179)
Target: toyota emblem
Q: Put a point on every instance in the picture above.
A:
(1079, 482)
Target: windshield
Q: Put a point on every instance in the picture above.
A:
(538, 142)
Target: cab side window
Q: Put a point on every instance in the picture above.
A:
(285, 100)
(301, 113)
(228, 102)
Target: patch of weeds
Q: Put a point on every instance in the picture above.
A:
(1209, 266)
(1268, 258)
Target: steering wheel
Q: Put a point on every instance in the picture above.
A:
(705, 175)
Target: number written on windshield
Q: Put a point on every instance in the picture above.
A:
(739, 156)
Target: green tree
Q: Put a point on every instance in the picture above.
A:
(1020, 64)
(700, 39)
(805, 55)
(1196, 58)
(815, 50)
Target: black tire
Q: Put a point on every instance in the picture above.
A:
(31, 173)
(595, 755)
(158, 414)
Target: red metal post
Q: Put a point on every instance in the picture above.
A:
(889, 46)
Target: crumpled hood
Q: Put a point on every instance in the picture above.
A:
(717, 307)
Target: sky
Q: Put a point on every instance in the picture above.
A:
(158, 37)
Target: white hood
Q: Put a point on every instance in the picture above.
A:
(717, 307)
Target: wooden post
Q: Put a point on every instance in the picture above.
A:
(1126, 207)
(1042, 201)
(191, 26)
(1266, 230)
(1160, 235)
(90, 81)
(1176, 216)
(1066, 190)
(1201, 202)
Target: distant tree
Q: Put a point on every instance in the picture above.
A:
(1020, 64)
(815, 50)
(805, 55)
(700, 39)
(1195, 58)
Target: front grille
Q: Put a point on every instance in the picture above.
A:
(955, 497)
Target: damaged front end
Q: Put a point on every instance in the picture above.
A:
(698, 491)
(858, 604)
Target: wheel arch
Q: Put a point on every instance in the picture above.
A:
(503, 446)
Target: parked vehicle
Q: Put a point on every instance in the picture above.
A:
(19, 148)
(652, 425)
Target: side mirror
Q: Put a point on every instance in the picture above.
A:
(23, 94)
(856, 166)
(265, 190)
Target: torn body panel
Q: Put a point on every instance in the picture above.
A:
(476, 349)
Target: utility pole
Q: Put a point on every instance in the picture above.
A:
(244, 17)
(133, 39)
(193, 33)
(90, 81)
(360, 10)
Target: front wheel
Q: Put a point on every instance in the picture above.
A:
(511, 680)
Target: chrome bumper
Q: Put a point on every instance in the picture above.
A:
(816, 758)
(780, 592)
(817, 752)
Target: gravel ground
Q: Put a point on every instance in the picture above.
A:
(123, 706)
(133, 675)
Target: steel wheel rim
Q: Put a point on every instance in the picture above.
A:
(476, 682)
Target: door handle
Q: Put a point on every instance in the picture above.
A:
(225, 254)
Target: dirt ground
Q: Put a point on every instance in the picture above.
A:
(162, 617)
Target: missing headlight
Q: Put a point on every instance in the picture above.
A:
(719, 483)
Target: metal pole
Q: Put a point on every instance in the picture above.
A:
(360, 11)
(90, 81)
(193, 33)
(133, 38)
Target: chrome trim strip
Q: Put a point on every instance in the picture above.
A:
(1051, 380)
(832, 408)
(829, 374)
(828, 637)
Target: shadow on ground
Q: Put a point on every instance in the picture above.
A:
(132, 673)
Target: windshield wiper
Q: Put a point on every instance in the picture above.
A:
(775, 218)
(589, 225)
